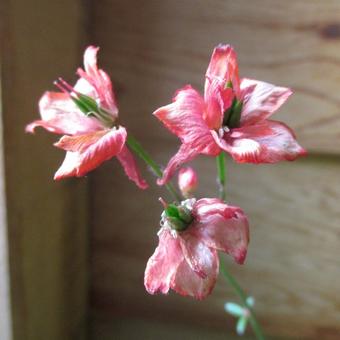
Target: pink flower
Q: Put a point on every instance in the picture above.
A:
(232, 117)
(186, 258)
(187, 181)
(86, 115)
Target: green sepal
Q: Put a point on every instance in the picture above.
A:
(229, 84)
(89, 102)
(235, 115)
(172, 211)
(177, 223)
(185, 214)
(81, 105)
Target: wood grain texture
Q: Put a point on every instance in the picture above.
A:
(5, 308)
(152, 49)
(47, 221)
(155, 48)
(292, 267)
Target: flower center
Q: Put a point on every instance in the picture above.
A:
(86, 104)
(232, 116)
(178, 216)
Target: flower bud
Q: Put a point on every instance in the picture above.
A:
(187, 181)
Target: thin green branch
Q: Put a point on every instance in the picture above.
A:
(221, 179)
(136, 147)
(221, 170)
(243, 296)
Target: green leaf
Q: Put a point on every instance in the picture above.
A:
(234, 309)
(241, 325)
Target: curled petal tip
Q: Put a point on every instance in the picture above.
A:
(241, 256)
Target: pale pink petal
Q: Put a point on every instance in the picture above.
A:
(60, 115)
(91, 153)
(222, 227)
(162, 265)
(183, 117)
(187, 152)
(260, 100)
(196, 253)
(130, 167)
(99, 80)
(84, 87)
(79, 143)
(188, 283)
(266, 142)
(218, 99)
(223, 65)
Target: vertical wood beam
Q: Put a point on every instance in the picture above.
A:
(47, 221)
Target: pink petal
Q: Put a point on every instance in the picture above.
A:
(261, 100)
(60, 115)
(189, 283)
(88, 152)
(218, 99)
(222, 227)
(130, 167)
(266, 142)
(195, 252)
(187, 152)
(100, 81)
(223, 65)
(183, 117)
(79, 143)
(162, 265)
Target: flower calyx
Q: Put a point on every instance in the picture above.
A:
(177, 217)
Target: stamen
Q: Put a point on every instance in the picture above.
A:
(66, 85)
(61, 87)
(164, 204)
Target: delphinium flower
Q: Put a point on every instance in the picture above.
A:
(191, 232)
(187, 181)
(241, 312)
(87, 116)
(232, 117)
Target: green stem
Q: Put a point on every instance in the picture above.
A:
(220, 163)
(243, 296)
(140, 151)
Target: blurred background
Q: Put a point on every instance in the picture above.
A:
(77, 249)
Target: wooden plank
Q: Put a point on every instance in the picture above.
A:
(291, 270)
(153, 51)
(5, 309)
(47, 221)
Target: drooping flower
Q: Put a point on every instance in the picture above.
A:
(187, 181)
(241, 312)
(186, 258)
(232, 117)
(87, 116)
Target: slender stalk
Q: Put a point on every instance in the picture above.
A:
(220, 163)
(136, 147)
(243, 296)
